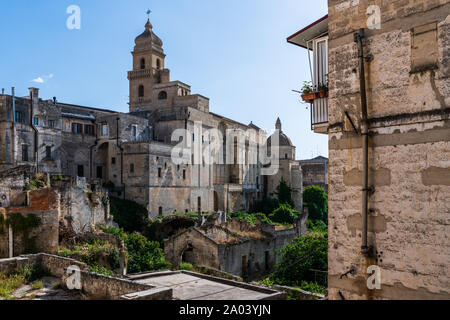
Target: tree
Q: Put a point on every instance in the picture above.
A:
(144, 255)
(316, 200)
(129, 215)
(300, 257)
(284, 214)
(284, 193)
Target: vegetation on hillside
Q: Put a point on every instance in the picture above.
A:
(316, 200)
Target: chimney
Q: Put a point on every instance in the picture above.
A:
(3, 91)
(54, 100)
(34, 93)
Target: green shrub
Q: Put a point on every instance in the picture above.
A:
(186, 266)
(37, 285)
(313, 287)
(266, 206)
(284, 215)
(268, 282)
(145, 255)
(102, 270)
(299, 257)
(317, 226)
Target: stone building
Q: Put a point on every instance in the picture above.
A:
(132, 153)
(315, 172)
(387, 118)
(234, 247)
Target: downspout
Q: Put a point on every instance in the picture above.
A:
(121, 156)
(365, 250)
(13, 149)
(91, 153)
(36, 151)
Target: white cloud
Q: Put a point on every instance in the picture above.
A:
(38, 80)
(43, 79)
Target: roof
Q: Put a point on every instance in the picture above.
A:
(318, 159)
(284, 140)
(314, 30)
(194, 286)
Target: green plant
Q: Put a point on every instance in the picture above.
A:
(57, 285)
(313, 287)
(39, 181)
(129, 215)
(316, 226)
(10, 283)
(316, 200)
(284, 193)
(145, 255)
(267, 282)
(307, 87)
(298, 258)
(101, 270)
(37, 285)
(266, 206)
(186, 266)
(284, 214)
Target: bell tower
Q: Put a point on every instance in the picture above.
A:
(148, 69)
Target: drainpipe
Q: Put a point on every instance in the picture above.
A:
(121, 156)
(36, 151)
(91, 153)
(13, 93)
(365, 250)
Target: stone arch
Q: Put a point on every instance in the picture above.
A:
(162, 95)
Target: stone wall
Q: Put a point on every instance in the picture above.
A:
(409, 143)
(94, 286)
(44, 204)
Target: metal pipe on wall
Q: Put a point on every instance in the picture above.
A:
(365, 250)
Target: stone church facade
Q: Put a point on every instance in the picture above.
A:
(131, 153)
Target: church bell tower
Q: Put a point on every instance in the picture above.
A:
(148, 69)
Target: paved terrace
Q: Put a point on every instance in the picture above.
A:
(193, 286)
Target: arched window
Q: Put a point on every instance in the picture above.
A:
(142, 63)
(158, 64)
(141, 91)
(162, 95)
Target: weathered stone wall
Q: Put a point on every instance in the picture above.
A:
(409, 147)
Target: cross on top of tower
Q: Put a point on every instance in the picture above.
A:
(148, 13)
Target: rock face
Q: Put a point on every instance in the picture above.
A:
(409, 150)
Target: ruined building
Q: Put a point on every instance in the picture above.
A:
(387, 119)
(131, 153)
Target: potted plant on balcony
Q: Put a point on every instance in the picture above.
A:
(323, 90)
(308, 94)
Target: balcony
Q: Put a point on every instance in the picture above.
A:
(136, 74)
(319, 115)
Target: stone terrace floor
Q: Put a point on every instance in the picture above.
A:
(190, 287)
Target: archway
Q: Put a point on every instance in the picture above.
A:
(188, 255)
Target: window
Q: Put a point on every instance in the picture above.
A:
(184, 174)
(80, 170)
(35, 121)
(320, 61)
(99, 172)
(24, 152)
(89, 129)
(51, 124)
(159, 172)
(48, 152)
(158, 64)
(141, 91)
(105, 129)
(113, 160)
(162, 95)
(133, 132)
(142, 64)
(77, 128)
(132, 168)
(160, 211)
(286, 156)
(19, 116)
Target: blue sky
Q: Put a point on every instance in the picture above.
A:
(234, 52)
